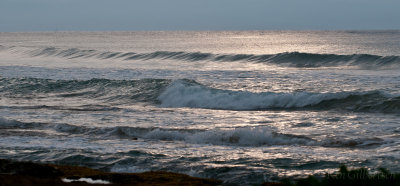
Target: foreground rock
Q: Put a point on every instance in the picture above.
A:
(28, 173)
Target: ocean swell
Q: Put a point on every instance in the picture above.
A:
(286, 59)
(116, 91)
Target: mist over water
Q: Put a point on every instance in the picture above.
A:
(243, 107)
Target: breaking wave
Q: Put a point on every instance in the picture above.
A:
(186, 93)
(183, 93)
(238, 136)
(287, 59)
(246, 136)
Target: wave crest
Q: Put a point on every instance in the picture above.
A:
(287, 59)
(187, 93)
(183, 93)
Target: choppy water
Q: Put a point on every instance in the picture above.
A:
(243, 107)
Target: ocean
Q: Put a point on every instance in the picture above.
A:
(244, 107)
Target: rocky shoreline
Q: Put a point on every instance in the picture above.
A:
(29, 173)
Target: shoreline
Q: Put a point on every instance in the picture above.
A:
(33, 173)
(27, 173)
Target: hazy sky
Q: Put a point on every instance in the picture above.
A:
(51, 15)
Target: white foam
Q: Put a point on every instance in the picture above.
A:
(87, 180)
(183, 94)
(239, 136)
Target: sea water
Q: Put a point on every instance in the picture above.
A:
(241, 106)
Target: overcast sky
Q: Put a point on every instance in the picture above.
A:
(92, 15)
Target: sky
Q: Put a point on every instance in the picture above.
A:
(144, 15)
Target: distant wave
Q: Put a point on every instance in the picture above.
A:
(188, 93)
(287, 59)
